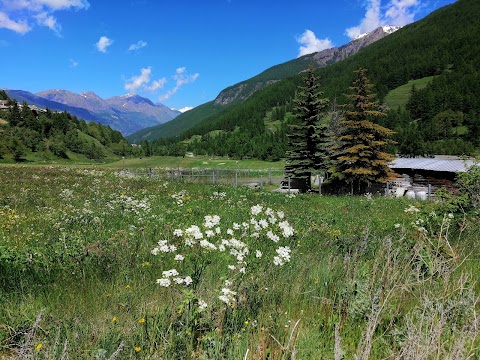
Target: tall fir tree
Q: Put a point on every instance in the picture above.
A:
(307, 138)
(361, 159)
(14, 115)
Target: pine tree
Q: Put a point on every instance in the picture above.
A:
(361, 160)
(306, 135)
(14, 116)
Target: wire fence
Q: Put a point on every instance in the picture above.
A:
(250, 177)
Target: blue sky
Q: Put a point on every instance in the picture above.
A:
(181, 53)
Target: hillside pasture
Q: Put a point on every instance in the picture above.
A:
(399, 96)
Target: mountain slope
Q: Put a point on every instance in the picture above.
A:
(32, 99)
(178, 125)
(243, 90)
(444, 45)
(424, 48)
(127, 114)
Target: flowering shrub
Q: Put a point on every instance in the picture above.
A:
(239, 245)
(431, 245)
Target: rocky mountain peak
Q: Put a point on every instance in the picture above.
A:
(245, 89)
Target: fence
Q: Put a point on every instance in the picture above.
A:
(250, 177)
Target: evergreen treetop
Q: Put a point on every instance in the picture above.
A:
(307, 137)
(361, 158)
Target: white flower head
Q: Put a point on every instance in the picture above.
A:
(202, 305)
(164, 282)
(169, 273)
(256, 209)
(178, 232)
(211, 221)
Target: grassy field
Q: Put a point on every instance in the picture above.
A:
(96, 265)
(400, 95)
(163, 162)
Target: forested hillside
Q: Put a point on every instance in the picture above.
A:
(241, 91)
(44, 134)
(443, 45)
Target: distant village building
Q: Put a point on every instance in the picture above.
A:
(3, 104)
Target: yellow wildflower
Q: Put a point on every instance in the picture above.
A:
(114, 319)
(39, 347)
(141, 321)
(138, 349)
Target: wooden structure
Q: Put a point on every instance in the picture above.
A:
(426, 174)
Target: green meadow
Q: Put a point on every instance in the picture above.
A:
(97, 264)
(399, 96)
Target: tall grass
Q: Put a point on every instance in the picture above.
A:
(366, 279)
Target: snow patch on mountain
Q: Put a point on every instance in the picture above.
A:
(389, 29)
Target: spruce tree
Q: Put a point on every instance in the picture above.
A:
(306, 147)
(361, 159)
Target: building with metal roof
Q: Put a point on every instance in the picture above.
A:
(427, 174)
(450, 165)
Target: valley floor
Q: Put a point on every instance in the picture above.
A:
(97, 265)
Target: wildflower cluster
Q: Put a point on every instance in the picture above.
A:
(429, 224)
(240, 244)
(218, 195)
(180, 197)
(129, 204)
(66, 194)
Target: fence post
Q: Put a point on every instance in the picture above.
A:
(236, 177)
(289, 184)
(213, 176)
(270, 176)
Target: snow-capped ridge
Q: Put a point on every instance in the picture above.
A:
(389, 29)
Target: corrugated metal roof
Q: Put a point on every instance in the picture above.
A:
(432, 164)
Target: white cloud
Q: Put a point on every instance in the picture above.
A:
(18, 15)
(311, 44)
(139, 45)
(103, 43)
(20, 26)
(63, 4)
(73, 63)
(370, 22)
(186, 108)
(143, 82)
(48, 21)
(398, 12)
(181, 78)
(156, 84)
(139, 81)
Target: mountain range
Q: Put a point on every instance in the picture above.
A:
(242, 91)
(127, 114)
(143, 120)
(429, 67)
